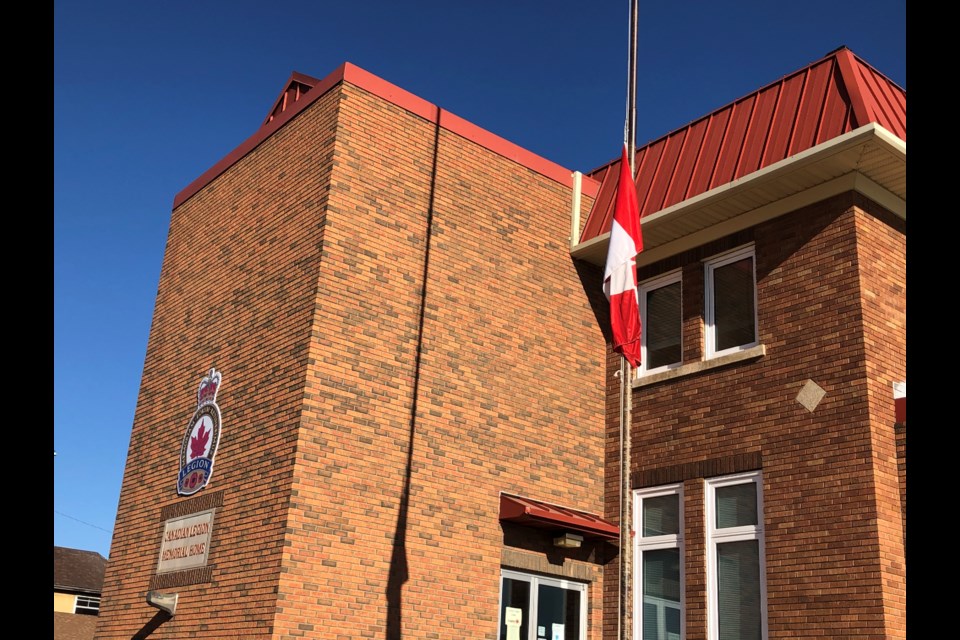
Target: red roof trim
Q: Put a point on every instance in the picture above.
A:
(845, 62)
(544, 515)
(511, 151)
(365, 80)
(265, 131)
(389, 92)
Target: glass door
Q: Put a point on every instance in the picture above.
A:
(539, 608)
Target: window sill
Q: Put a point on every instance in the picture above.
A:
(698, 367)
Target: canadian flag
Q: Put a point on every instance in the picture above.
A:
(620, 275)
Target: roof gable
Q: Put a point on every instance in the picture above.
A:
(822, 101)
(297, 86)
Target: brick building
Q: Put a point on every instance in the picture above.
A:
(77, 583)
(356, 419)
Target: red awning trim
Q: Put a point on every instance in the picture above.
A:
(900, 401)
(543, 515)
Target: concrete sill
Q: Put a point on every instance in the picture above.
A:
(699, 367)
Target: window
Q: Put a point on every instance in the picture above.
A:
(661, 322)
(545, 608)
(658, 563)
(736, 575)
(731, 302)
(89, 605)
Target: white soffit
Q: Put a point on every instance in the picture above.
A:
(870, 160)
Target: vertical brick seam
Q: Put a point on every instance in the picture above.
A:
(502, 405)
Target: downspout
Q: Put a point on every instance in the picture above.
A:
(575, 210)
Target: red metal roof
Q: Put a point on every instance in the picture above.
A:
(544, 515)
(826, 99)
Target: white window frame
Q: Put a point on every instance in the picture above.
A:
(642, 290)
(535, 582)
(88, 607)
(643, 543)
(710, 265)
(717, 536)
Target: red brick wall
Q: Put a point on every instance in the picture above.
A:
(299, 274)
(831, 504)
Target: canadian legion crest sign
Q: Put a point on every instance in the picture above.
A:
(200, 442)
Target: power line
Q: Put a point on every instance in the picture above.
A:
(81, 521)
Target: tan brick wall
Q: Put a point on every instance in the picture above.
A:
(236, 292)
(832, 513)
(298, 274)
(500, 405)
(881, 244)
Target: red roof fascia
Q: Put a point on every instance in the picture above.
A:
(544, 515)
(272, 123)
(302, 90)
(819, 102)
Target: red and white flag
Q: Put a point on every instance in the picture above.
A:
(620, 275)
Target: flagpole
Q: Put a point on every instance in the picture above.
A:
(632, 90)
(626, 388)
(626, 546)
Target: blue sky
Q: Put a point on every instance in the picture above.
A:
(149, 95)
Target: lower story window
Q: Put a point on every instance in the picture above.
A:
(536, 607)
(658, 550)
(737, 598)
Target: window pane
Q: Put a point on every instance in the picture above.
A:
(663, 325)
(733, 313)
(736, 505)
(516, 594)
(558, 612)
(661, 594)
(661, 515)
(738, 590)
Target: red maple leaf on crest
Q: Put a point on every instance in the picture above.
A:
(198, 443)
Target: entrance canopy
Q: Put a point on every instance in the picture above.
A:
(543, 515)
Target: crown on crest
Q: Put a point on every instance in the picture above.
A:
(207, 392)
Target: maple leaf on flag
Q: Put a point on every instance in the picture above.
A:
(198, 443)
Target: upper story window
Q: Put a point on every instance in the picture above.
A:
(658, 579)
(735, 551)
(730, 316)
(662, 323)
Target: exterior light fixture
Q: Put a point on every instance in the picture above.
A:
(568, 541)
(166, 602)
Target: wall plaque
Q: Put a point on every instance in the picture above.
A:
(186, 542)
